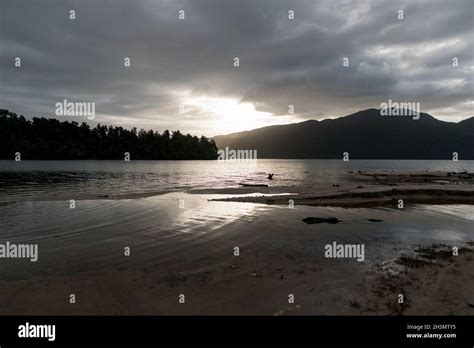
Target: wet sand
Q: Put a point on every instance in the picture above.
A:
(279, 255)
(254, 286)
(367, 189)
(432, 283)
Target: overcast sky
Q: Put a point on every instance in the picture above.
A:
(182, 73)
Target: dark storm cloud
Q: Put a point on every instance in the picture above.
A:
(283, 61)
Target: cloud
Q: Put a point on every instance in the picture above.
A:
(282, 61)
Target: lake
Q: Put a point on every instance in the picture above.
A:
(43, 180)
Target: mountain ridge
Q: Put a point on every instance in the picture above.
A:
(364, 135)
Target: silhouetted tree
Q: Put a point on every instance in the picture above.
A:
(44, 138)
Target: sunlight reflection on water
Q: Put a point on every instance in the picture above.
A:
(88, 179)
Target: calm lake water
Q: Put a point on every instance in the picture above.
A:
(43, 180)
(35, 208)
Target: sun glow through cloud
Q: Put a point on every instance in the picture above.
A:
(231, 115)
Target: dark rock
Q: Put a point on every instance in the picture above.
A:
(316, 220)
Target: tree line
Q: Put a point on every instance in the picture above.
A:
(44, 138)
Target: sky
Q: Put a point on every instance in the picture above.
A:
(182, 72)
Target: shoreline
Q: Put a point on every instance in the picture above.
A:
(190, 251)
(361, 189)
(366, 199)
(368, 189)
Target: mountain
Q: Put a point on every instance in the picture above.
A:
(364, 135)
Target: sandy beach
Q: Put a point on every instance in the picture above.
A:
(256, 285)
(189, 250)
(407, 252)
